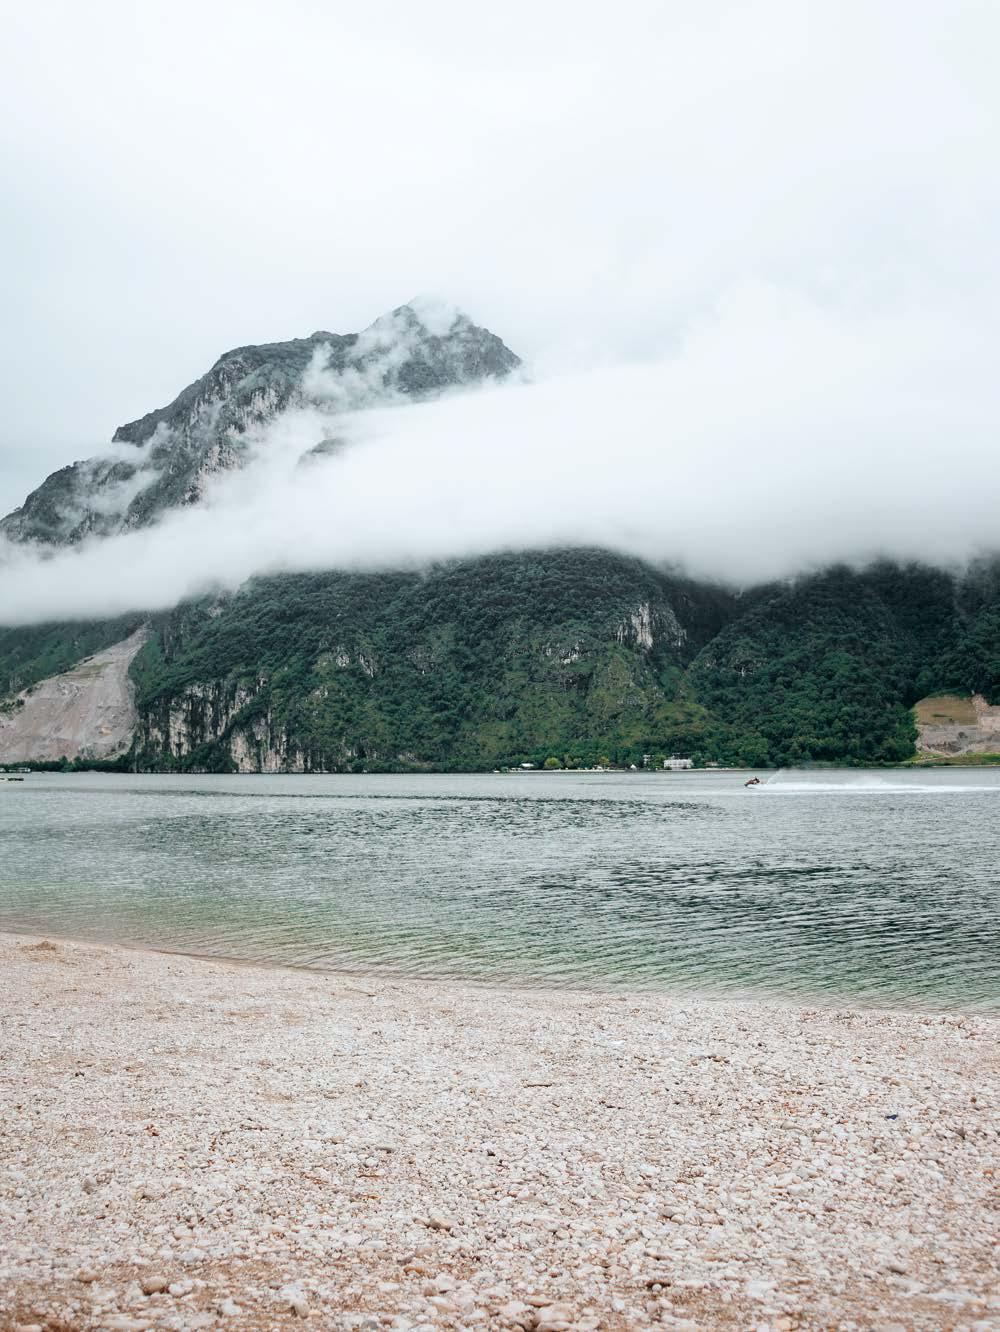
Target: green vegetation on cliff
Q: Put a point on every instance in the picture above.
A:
(576, 655)
(567, 653)
(572, 655)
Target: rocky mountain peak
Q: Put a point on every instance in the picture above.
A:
(164, 459)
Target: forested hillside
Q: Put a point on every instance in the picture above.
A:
(573, 655)
(827, 668)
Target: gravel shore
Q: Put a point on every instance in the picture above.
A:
(190, 1143)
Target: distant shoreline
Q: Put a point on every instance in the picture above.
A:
(918, 763)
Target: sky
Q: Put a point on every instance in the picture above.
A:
(647, 200)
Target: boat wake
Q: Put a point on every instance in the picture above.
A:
(867, 784)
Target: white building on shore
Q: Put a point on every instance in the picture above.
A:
(675, 764)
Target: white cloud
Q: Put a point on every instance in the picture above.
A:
(748, 250)
(781, 435)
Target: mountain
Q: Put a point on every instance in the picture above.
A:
(569, 656)
(165, 459)
(573, 655)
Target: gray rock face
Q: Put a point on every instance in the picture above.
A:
(949, 725)
(165, 459)
(88, 712)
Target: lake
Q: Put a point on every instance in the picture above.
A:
(854, 887)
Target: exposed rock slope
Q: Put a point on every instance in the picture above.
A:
(949, 725)
(88, 712)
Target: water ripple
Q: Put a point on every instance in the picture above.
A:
(841, 887)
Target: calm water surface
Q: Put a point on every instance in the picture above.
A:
(875, 889)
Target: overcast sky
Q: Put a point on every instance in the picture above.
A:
(596, 183)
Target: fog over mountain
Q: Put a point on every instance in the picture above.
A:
(746, 254)
(781, 436)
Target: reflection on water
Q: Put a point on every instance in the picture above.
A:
(872, 888)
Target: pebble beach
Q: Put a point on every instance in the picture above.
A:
(194, 1143)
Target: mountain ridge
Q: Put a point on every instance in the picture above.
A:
(410, 353)
(572, 654)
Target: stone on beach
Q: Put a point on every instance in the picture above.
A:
(291, 1147)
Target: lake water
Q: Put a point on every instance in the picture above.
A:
(834, 886)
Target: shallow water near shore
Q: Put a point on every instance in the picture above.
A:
(854, 887)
